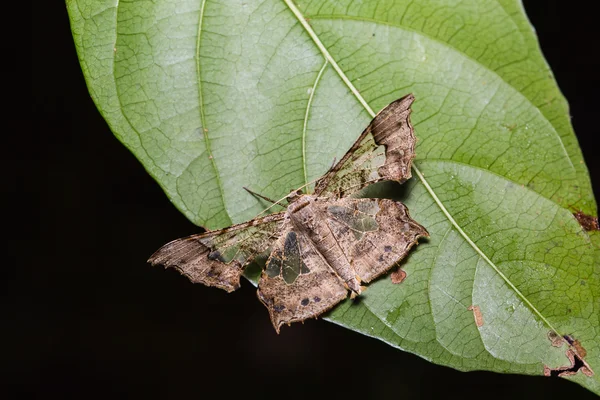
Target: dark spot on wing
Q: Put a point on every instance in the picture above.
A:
(317, 299)
(279, 308)
(387, 249)
(305, 302)
(215, 256)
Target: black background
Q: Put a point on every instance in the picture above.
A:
(89, 318)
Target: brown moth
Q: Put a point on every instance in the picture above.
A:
(326, 243)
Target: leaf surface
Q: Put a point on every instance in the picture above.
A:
(214, 96)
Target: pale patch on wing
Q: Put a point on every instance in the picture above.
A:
(286, 260)
(359, 219)
(218, 258)
(384, 151)
(378, 249)
(315, 288)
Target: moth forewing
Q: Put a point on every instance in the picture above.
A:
(218, 258)
(385, 149)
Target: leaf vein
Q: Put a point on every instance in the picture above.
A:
(305, 124)
(202, 115)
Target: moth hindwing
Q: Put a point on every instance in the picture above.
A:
(326, 244)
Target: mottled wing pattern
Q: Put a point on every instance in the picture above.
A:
(384, 151)
(375, 234)
(297, 282)
(217, 258)
(312, 246)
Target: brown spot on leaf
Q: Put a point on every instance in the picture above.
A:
(576, 345)
(555, 339)
(577, 364)
(477, 315)
(587, 222)
(398, 276)
(579, 348)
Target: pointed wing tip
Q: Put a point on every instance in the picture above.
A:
(400, 105)
(407, 99)
(153, 260)
(229, 288)
(157, 258)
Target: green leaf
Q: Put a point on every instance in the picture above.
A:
(214, 96)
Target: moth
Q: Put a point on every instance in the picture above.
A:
(325, 244)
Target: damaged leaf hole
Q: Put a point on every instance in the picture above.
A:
(575, 353)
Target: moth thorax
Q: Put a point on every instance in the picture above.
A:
(302, 212)
(299, 202)
(294, 196)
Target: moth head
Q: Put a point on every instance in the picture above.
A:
(294, 195)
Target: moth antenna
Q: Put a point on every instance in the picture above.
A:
(333, 163)
(262, 197)
(278, 202)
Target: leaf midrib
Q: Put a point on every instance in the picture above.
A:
(465, 55)
(300, 17)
